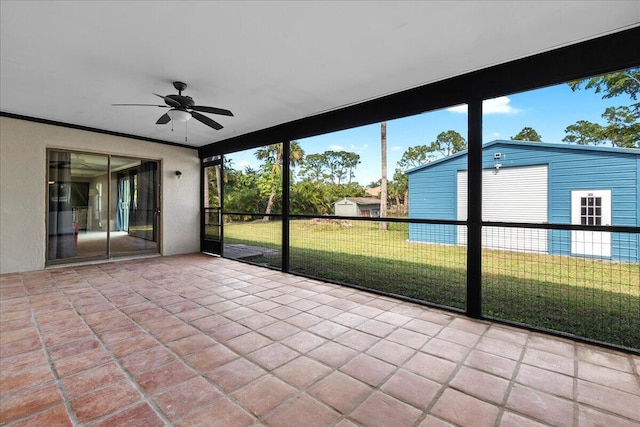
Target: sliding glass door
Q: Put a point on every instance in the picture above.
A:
(101, 206)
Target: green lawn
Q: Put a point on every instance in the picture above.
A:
(590, 298)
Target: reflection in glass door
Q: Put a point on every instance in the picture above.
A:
(211, 241)
(93, 216)
(135, 211)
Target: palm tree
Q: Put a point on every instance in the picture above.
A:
(273, 155)
(383, 185)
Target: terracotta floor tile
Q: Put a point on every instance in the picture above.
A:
(279, 330)
(465, 410)
(610, 359)
(227, 331)
(368, 369)
(186, 397)
(391, 352)
(376, 327)
(210, 358)
(303, 341)
(508, 334)
(235, 374)
(323, 345)
(357, 340)
(264, 394)
(385, 410)
(221, 413)
(550, 361)
(589, 417)
(499, 347)
(302, 411)
(408, 338)
(609, 399)
(53, 417)
(209, 323)
(541, 406)
(431, 367)
(552, 345)
(446, 349)
(273, 355)
(79, 362)
(340, 391)
(13, 382)
(480, 384)
(18, 335)
(146, 359)
(333, 354)
(30, 401)
(19, 347)
(547, 381)
(191, 344)
(328, 329)
(139, 415)
(491, 363)
(164, 377)
(249, 342)
(17, 363)
(175, 332)
(510, 419)
(92, 379)
(104, 401)
(302, 371)
(411, 388)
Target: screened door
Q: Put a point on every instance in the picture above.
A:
(211, 227)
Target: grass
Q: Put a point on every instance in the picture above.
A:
(591, 298)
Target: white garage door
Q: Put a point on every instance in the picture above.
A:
(516, 194)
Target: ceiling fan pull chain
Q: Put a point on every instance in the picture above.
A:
(185, 131)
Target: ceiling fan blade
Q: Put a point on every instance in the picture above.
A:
(206, 120)
(139, 105)
(212, 110)
(169, 101)
(164, 119)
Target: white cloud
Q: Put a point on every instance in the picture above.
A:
(358, 148)
(336, 147)
(500, 105)
(396, 148)
(496, 135)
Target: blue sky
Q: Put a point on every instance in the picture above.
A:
(549, 111)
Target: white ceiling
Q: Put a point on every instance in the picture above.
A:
(270, 62)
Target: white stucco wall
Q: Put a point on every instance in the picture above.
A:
(23, 180)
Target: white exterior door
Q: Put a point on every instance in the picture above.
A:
(518, 194)
(591, 208)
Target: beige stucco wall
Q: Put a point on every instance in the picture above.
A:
(23, 151)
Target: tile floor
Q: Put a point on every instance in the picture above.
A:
(201, 341)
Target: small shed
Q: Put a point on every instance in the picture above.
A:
(535, 182)
(358, 206)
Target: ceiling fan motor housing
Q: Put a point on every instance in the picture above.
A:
(185, 101)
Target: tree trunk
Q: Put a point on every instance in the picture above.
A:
(267, 211)
(383, 185)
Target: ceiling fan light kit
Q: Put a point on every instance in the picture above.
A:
(179, 116)
(183, 107)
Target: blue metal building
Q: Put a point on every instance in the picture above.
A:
(535, 182)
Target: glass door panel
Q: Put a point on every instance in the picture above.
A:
(77, 206)
(134, 209)
(212, 209)
(100, 206)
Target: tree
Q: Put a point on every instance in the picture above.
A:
(415, 156)
(527, 134)
(623, 123)
(447, 143)
(383, 185)
(272, 155)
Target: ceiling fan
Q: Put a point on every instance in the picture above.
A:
(183, 107)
